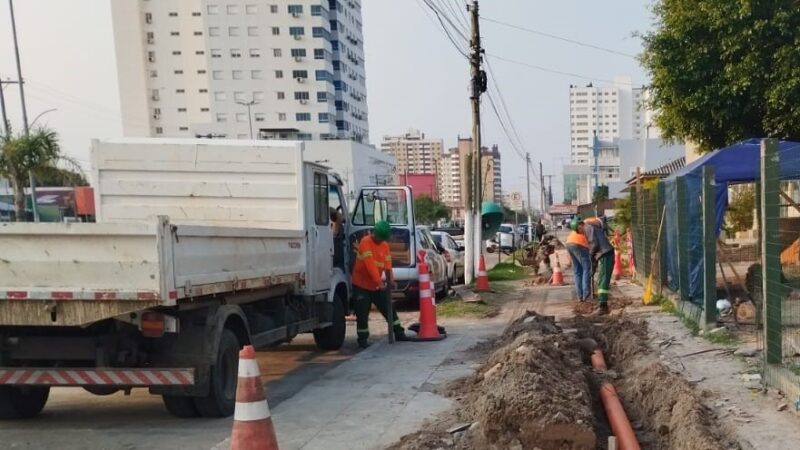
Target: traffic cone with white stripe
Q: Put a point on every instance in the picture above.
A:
(252, 423)
(617, 273)
(428, 329)
(558, 275)
(482, 283)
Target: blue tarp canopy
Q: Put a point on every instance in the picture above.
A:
(739, 163)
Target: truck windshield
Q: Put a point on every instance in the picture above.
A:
(388, 205)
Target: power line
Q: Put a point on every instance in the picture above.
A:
(556, 71)
(443, 27)
(559, 38)
(503, 104)
(444, 17)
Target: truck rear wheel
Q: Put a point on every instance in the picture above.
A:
(223, 376)
(182, 407)
(22, 402)
(332, 337)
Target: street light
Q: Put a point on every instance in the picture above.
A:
(249, 116)
(33, 122)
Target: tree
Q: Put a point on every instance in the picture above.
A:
(722, 71)
(38, 152)
(739, 215)
(600, 194)
(57, 177)
(428, 210)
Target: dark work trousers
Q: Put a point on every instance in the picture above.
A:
(362, 304)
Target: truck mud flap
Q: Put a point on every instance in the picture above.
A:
(97, 377)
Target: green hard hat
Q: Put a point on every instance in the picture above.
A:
(573, 224)
(382, 230)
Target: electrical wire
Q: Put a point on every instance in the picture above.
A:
(555, 71)
(559, 38)
(442, 26)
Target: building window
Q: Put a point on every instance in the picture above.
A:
(201, 72)
(236, 53)
(196, 14)
(282, 117)
(276, 52)
(241, 117)
(217, 74)
(233, 31)
(213, 31)
(203, 109)
(302, 95)
(316, 10)
(300, 74)
(233, 9)
(297, 31)
(322, 97)
(298, 52)
(174, 33)
(216, 53)
(255, 53)
(237, 74)
(220, 96)
(203, 91)
(176, 53)
(323, 118)
(303, 117)
(178, 72)
(278, 74)
(159, 130)
(213, 9)
(304, 136)
(258, 96)
(324, 75)
(183, 128)
(295, 9)
(276, 31)
(173, 14)
(251, 9)
(256, 74)
(281, 95)
(319, 32)
(252, 31)
(238, 96)
(180, 110)
(221, 117)
(259, 117)
(198, 33)
(180, 91)
(319, 53)
(273, 9)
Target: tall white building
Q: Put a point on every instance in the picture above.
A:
(281, 69)
(610, 112)
(414, 152)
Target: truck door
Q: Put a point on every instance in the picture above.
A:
(320, 236)
(395, 205)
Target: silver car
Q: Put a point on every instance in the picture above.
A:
(453, 255)
(407, 275)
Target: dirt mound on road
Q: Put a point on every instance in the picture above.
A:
(614, 303)
(532, 392)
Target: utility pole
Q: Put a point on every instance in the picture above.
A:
(472, 226)
(21, 82)
(3, 116)
(549, 199)
(249, 116)
(528, 178)
(541, 183)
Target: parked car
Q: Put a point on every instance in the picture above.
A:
(453, 256)
(507, 238)
(407, 275)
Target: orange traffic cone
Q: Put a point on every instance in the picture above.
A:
(558, 275)
(252, 423)
(617, 273)
(482, 283)
(427, 330)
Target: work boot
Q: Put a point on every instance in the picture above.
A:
(602, 310)
(400, 335)
(363, 343)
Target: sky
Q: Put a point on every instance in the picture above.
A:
(415, 76)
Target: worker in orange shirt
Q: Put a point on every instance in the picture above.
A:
(578, 250)
(373, 261)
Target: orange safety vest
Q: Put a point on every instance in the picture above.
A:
(371, 260)
(578, 239)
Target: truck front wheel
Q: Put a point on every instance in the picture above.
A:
(221, 398)
(22, 402)
(182, 407)
(332, 337)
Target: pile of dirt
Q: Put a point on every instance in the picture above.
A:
(532, 392)
(614, 303)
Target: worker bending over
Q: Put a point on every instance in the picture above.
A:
(578, 249)
(602, 251)
(372, 261)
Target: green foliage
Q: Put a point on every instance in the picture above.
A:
(600, 194)
(506, 272)
(722, 338)
(455, 308)
(723, 70)
(622, 217)
(38, 152)
(57, 177)
(739, 215)
(427, 210)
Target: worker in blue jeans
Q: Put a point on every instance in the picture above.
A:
(578, 249)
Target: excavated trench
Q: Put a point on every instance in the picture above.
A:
(536, 389)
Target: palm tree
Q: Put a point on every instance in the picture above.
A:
(37, 152)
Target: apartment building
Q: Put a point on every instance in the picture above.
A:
(241, 68)
(453, 185)
(414, 153)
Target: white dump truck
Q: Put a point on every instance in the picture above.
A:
(201, 247)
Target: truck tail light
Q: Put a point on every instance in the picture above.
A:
(152, 324)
